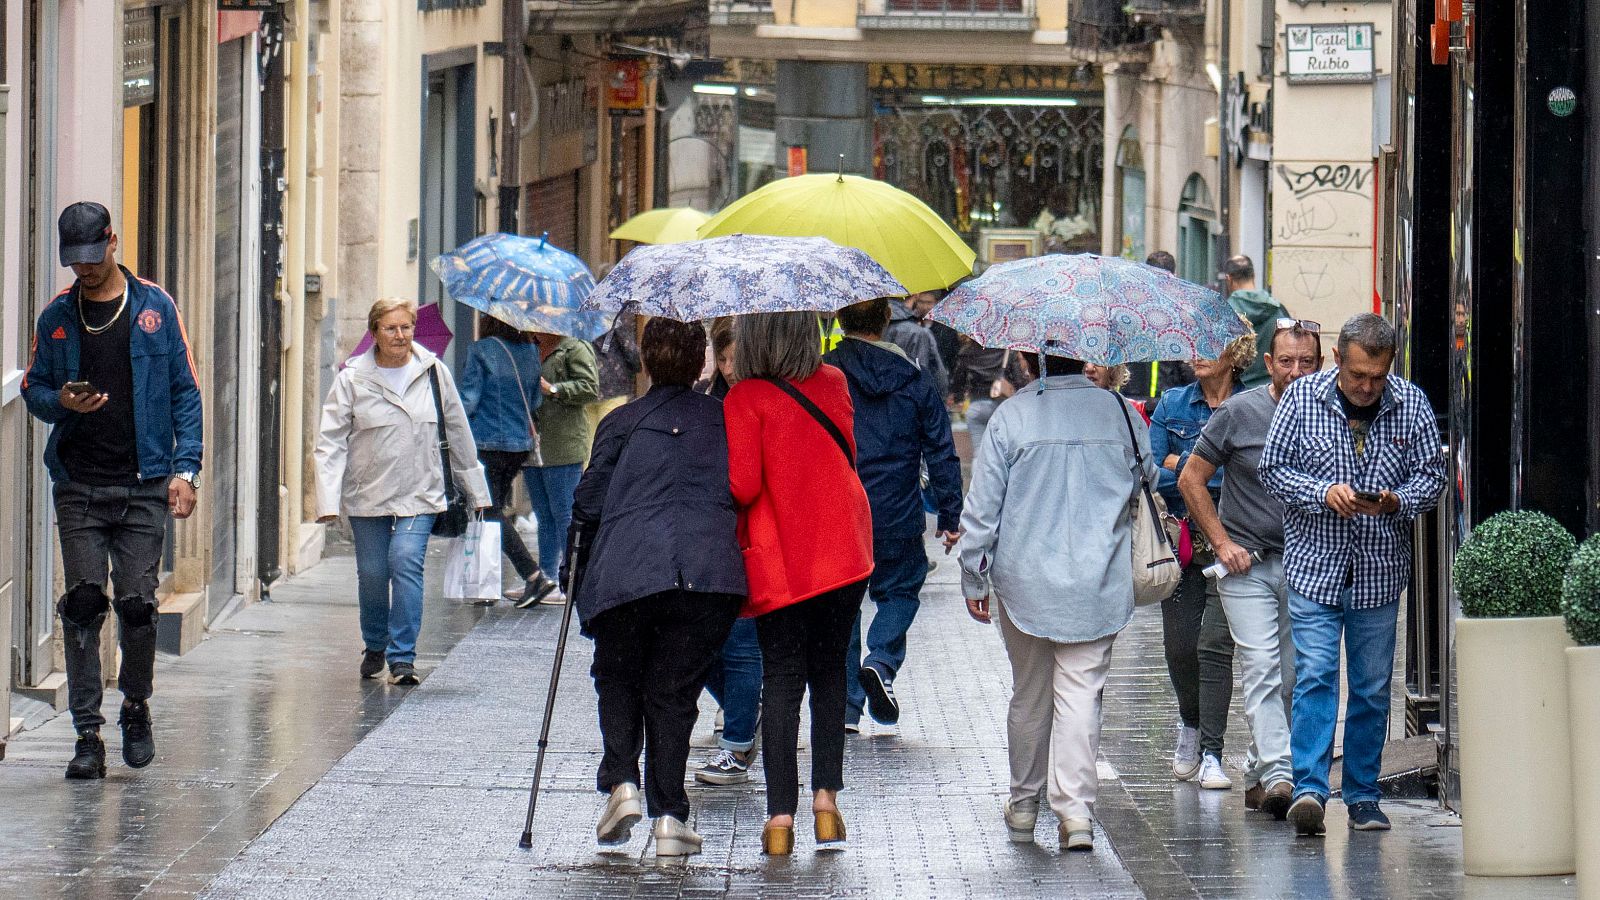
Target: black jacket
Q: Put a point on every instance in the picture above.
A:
(654, 509)
(900, 423)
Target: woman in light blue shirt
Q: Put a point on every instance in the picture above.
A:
(1047, 551)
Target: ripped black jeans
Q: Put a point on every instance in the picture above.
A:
(126, 527)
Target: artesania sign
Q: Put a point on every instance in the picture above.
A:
(1329, 53)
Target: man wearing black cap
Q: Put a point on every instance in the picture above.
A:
(111, 370)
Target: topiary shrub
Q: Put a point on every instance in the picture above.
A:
(1580, 593)
(1512, 566)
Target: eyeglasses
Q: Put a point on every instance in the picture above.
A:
(1305, 325)
(397, 329)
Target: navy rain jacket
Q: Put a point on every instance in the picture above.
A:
(166, 393)
(900, 422)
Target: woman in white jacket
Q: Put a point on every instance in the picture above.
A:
(378, 462)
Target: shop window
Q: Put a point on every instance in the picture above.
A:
(1130, 197)
(1197, 244)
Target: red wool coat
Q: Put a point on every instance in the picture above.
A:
(804, 524)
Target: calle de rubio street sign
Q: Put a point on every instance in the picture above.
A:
(1329, 54)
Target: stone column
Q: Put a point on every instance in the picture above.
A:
(825, 107)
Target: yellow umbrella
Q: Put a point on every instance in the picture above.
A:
(669, 225)
(896, 229)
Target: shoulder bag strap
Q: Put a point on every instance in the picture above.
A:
(817, 413)
(444, 441)
(1144, 480)
(526, 408)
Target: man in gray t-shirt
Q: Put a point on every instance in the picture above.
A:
(1248, 537)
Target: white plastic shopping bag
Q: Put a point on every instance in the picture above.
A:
(473, 570)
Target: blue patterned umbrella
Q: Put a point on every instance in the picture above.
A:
(1099, 309)
(742, 273)
(526, 282)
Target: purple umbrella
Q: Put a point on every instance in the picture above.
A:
(431, 333)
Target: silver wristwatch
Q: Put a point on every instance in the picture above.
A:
(192, 477)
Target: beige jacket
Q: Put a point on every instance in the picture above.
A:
(378, 452)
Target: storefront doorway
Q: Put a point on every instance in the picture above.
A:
(449, 200)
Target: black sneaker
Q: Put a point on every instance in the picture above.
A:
(138, 739)
(1366, 816)
(371, 663)
(533, 590)
(403, 673)
(88, 757)
(725, 767)
(881, 704)
(1306, 815)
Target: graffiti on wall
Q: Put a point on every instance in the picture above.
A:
(1322, 204)
(1329, 284)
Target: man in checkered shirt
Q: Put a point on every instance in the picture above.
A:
(1354, 455)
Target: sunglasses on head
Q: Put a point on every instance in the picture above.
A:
(1305, 325)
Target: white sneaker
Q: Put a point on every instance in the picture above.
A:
(1212, 777)
(1021, 816)
(1186, 756)
(623, 811)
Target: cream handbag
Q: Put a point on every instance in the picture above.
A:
(1155, 565)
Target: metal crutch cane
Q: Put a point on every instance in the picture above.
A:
(550, 699)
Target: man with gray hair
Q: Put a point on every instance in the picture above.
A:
(1353, 454)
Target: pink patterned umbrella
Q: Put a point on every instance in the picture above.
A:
(1098, 309)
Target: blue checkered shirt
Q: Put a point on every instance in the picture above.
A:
(1310, 449)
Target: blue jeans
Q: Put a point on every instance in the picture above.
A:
(735, 683)
(900, 566)
(550, 489)
(1369, 636)
(390, 551)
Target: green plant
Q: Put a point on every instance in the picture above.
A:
(1580, 593)
(1512, 566)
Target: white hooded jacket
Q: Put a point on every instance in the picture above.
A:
(378, 451)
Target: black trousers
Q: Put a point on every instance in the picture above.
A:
(805, 646)
(651, 657)
(1199, 650)
(500, 467)
(127, 526)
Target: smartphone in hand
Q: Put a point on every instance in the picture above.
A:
(1368, 496)
(78, 387)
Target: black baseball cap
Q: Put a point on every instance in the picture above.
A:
(85, 229)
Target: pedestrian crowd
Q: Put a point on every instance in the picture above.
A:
(721, 530)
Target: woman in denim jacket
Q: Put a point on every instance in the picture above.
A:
(1199, 648)
(500, 390)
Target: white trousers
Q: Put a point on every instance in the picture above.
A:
(1053, 726)
(1257, 604)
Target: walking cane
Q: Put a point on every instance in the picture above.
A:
(550, 699)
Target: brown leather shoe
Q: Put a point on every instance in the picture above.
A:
(1277, 800)
(777, 840)
(829, 827)
(1253, 795)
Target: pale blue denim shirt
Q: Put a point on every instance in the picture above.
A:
(1047, 521)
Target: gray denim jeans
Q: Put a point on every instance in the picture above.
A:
(125, 527)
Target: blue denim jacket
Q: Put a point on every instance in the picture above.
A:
(489, 392)
(1174, 428)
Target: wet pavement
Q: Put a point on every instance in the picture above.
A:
(429, 800)
(244, 724)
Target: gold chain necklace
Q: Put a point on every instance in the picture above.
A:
(114, 316)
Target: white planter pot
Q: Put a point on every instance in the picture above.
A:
(1516, 757)
(1583, 703)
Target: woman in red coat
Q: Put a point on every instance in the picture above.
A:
(806, 533)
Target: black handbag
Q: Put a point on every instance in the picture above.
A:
(453, 521)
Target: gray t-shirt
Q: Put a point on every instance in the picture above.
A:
(1233, 439)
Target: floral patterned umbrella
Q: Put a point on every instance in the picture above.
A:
(741, 273)
(1098, 309)
(526, 282)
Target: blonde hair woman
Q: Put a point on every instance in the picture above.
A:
(378, 462)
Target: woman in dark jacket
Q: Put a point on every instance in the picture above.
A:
(500, 391)
(662, 584)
